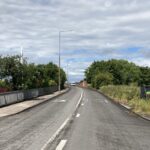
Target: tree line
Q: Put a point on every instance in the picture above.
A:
(116, 72)
(18, 74)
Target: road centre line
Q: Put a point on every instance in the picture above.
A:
(61, 145)
(52, 138)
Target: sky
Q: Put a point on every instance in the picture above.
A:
(94, 30)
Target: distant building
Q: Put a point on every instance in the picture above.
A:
(83, 83)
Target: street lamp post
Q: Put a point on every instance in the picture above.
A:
(22, 61)
(67, 74)
(59, 71)
(59, 80)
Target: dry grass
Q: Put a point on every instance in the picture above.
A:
(129, 95)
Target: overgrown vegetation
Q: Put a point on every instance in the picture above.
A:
(122, 92)
(121, 80)
(128, 95)
(15, 75)
(116, 72)
(102, 79)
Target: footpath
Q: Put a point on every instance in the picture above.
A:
(22, 106)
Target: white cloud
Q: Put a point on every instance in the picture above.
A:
(102, 29)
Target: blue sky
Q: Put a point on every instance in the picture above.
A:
(102, 30)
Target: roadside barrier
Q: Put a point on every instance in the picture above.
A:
(18, 96)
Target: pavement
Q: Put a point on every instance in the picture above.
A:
(80, 119)
(21, 106)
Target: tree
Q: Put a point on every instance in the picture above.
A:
(63, 78)
(123, 72)
(27, 76)
(12, 69)
(102, 79)
(144, 76)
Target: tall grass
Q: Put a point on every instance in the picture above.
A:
(129, 95)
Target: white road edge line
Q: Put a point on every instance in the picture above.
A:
(61, 145)
(51, 139)
(78, 115)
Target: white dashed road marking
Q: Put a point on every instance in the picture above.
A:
(106, 101)
(55, 134)
(61, 145)
(51, 139)
(60, 101)
(78, 115)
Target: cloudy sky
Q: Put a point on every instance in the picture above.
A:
(102, 30)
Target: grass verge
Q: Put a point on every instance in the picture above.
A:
(128, 95)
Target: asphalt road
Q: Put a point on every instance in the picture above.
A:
(30, 130)
(97, 125)
(101, 125)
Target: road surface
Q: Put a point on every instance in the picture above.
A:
(97, 125)
(102, 125)
(30, 130)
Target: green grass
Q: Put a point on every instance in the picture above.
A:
(129, 95)
(148, 92)
(140, 106)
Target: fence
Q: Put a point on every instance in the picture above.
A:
(18, 96)
(145, 91)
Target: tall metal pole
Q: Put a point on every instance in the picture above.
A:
(59, 78)
(22, 63)
(67, 74)
(59, 72)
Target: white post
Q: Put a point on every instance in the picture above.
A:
(21, 55)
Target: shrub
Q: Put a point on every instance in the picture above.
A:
(102, 79)
(52, 83)
(2, 83)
